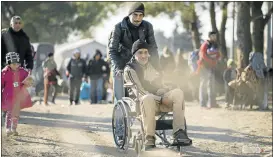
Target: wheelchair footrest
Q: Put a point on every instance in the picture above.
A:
(164, 125)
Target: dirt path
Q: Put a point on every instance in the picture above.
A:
(85, 131)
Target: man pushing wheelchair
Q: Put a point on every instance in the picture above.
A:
(155, 97)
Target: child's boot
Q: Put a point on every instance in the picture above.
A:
(14, 126)
(8, 132)
(8, 123)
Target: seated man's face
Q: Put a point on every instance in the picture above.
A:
(142, 56)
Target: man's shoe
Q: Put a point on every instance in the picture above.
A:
(120, 140)
(149, 142)
(181, 138)
(77, 102)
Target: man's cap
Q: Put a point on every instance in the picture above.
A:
(139, 44)
(76, 51)
(50, 54)
(137, 7)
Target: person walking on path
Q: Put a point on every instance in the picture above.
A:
(14, 81)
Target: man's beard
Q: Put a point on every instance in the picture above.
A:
(136, 23)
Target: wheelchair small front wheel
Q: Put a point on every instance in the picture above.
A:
(121, 125)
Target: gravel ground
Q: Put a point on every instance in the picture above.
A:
(85, 131)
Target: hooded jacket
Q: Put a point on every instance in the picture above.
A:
(96, 68)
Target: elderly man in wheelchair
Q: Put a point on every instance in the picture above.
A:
(154, 97)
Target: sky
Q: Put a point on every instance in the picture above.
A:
(163, 23)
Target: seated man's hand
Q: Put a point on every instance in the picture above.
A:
(166, 101)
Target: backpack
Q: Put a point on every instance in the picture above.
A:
(194, 57)
(192, 60)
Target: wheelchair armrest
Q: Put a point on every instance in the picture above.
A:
(129, 85)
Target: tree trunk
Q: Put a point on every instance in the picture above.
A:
(212, 19)
(258, 26)
(194, 30)
(244, 42)
(223, 45)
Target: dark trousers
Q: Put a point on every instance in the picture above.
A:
(75, 86)
(104, 91)
(229, 94)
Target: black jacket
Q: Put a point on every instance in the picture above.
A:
(16, 42)
(76, 68)
(121, 41)
(97, 68)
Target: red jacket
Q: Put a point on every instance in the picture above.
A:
(208, 56)
(13, 90)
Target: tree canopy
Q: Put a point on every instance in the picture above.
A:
(54, 21)
(189, 18)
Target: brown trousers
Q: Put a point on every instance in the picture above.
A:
(149, 109)
(46, 91)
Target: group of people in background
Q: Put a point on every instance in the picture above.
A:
(79, 71)
(96, 70)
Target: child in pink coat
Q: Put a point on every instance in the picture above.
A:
(15, 96)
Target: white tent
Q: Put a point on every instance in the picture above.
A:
(87, 47)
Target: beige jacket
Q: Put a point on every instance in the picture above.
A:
(150, 74)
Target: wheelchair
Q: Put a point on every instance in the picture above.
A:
(125, 112)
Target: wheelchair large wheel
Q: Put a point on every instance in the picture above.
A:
(121, 125)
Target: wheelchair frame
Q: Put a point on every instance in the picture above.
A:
(128, 117)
